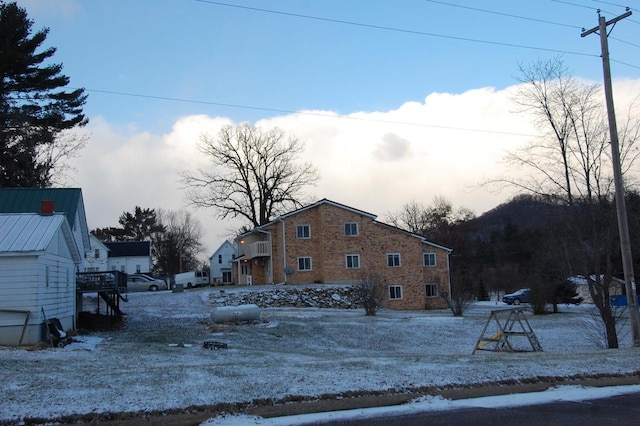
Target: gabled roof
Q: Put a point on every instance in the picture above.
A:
(128, 248)
(96, 243)
(226, 243)
(30, 232)
(351, 209)
(316, 204)
(28, 200)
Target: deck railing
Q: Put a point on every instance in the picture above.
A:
(101, 281)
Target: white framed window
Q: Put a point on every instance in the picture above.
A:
(395, 292)
(303, 231)
(431, 290)
(352, 261)
(393, 260)
(304, 263)
(219, 259)
(429, 259)
(96, 254)
(351, 229)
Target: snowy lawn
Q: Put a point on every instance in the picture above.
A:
(157, 362)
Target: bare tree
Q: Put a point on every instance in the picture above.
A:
(254, 174)
(571, 164)
(176, 242)
(369, 292)
(433, 221)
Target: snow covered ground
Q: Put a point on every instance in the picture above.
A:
(157, 362)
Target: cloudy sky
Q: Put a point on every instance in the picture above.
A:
(395, 101)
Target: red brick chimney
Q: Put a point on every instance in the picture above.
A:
(47, 207)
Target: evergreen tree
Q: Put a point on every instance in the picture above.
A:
(34, 107)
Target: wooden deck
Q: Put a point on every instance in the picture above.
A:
(110, 287)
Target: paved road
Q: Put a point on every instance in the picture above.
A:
(616, 410)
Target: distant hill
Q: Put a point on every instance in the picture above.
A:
(524, 211)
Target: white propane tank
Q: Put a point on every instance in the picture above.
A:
(238, 313)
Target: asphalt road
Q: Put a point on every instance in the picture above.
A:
(616, 410)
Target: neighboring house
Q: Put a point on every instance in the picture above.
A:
(328, 242)
(582, 287)
(96, 258)
(68, 201)
(130, 257)
(39, 258)
(220, 263)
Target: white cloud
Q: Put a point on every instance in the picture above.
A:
(372, 161)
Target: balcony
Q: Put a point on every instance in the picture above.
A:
(257, 249)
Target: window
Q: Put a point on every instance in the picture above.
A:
(431, 290)
(353, 261)
(226, 277)
(219, 258)
(96, 254)
(303, 231)
(429, 259)
(304, 263)
(244, 269)
(351, 228)
(395, 292)
(393, 259)
(138, 269)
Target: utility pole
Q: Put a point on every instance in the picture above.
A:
(623, 224)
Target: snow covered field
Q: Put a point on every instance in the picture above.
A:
(157, 361)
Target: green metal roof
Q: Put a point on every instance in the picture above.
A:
(28, 200)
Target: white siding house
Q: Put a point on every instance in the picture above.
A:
(220, 263)
(95, 259)
(130, 257)
(68, 201)
(39, 258)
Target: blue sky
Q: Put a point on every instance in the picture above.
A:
(207, 52)
(428, 63)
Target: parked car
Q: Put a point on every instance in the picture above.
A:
(518, 297)
(142, 282)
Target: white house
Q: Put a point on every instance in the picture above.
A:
(39, 258)
(67, 201)
(130, 257)
(220, 263)
(96, 258)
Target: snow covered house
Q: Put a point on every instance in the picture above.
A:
(331, 243)
(67, 201)
(220, 263)
(39, 258)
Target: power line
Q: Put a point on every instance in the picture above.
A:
(400, 30)
(314, 114)
(624, 63)
(504, 14)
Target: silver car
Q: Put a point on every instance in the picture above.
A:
(141, 282)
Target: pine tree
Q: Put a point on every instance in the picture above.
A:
(34, 107)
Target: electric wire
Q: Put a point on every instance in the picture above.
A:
(400, 30)
(310, 113)
(504, 14)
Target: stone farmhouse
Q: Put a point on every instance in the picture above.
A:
(331, 243)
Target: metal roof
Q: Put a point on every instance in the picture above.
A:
(27, 200)
(30, 232)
